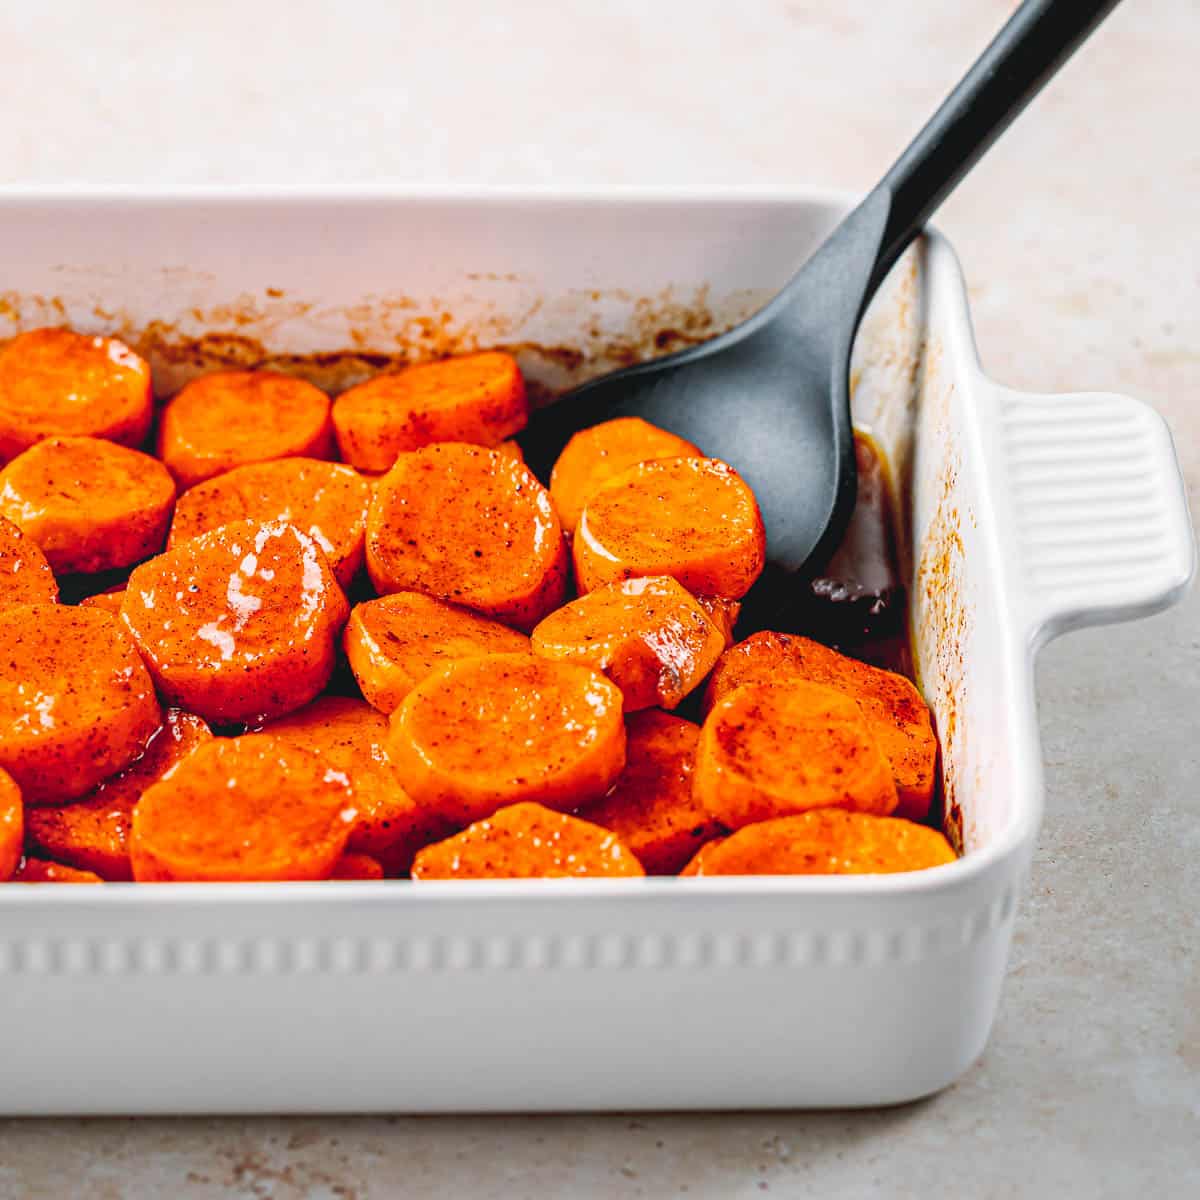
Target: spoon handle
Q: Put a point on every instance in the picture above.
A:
(1039, 37)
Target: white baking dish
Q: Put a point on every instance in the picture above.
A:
(1023, 516)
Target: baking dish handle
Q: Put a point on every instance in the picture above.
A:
(1097, 510)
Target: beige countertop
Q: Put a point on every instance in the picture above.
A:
(1079, 237)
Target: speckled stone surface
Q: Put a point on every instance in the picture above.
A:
(1081, 240)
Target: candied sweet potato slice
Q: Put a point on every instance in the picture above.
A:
(357, 867)
(239, 624)
(252, 808)
(695, 865)
(230, 418)
(595, 455)
(528, 841)
(471, 526)
(899, 719)
(477, 398)
(691, 518)
(827, 841)
(351, 737)
(25, 575)
(91, 505)
(92, 834)
(651, 807)
(12, 824)
(327, 500)
(58, 383)
(482, 733)
(393, 642)
(76, 703)
(40, 870)
(771, 750)
(649, 636)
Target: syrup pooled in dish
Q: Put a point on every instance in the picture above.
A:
(422, 662)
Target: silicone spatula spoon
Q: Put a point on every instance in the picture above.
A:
(771, 396)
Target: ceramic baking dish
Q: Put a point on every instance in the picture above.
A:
(1022, 516)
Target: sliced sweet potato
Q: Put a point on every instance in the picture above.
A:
(827, 841)
(772, 750)
(482, 733)
(58, 383)
(230, 418)
(899, 719)
(594, 456)
(695, 865)
(327, 500)
(39, 870)
(25, 575)
(528, 841)
(109, 602)
(651, 808)
(93, 833)
(392, 643)
(477, 398)
(351, 736)
(91, 505)
(649, 636)
(357, 867)
(239, 624)
(471, 526)
(691, 518)
(252, 808)
(76, 703)
(12, 825)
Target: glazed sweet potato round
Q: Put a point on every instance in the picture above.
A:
(76, 703)
(482, 733)
(691, 518)
(25, 575)
(239, 624)
(471, 526)
(230, 418)
(651, 807)
(594, 456)
(57, 383)
(91, 505)
(528, 841)
(327, 500)
(649, 636)
(476, 398)
(826, 841)
(394, 642)
(772, 750)
(246, 809)
(12, 825)
(92, 834)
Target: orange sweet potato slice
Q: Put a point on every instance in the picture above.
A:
(594, 456)
(471, 526)
(691, 518)
(239, 624)
(477, 398)
(92, 834)
(76, 703)
(91, 505)
(57, 383)
(528, 841)
(827, 841)
(695, 865)
(40, 870)
(392, 643)
(899, 719)
(252, 808)
(25, 575)
(230, 418)
(12, 825)
(771, 750)
(649, 636)
(327, 500)
(651, 808)
(357, 867)
(351, 737)
(482, 733)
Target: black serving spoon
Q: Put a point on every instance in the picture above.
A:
(771, 396)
